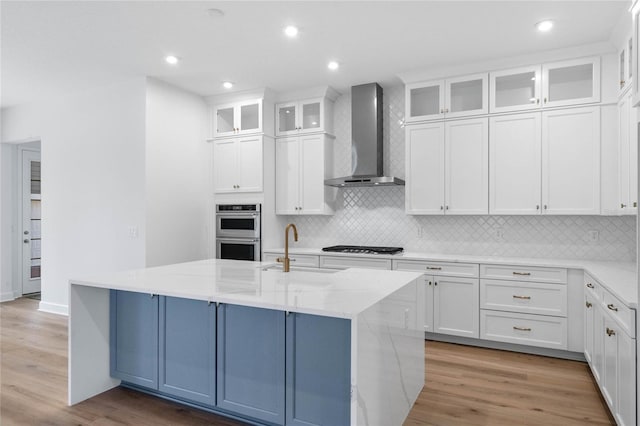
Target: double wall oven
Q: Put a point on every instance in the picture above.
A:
(238, 233)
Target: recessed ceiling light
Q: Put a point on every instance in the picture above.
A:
(171, 59)
(544, 26)
(227, 85)
(291, 31)
(333, 65)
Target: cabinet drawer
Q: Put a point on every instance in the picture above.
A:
(340, 262)
(467, 270)
(524, 329)
(525, 297)
(307, 260)
(524, 273)
(593, 287)
(625, 316)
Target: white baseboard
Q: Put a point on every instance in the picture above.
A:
(53, 308)
(7, 296)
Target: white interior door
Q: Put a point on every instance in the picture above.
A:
(31, 220)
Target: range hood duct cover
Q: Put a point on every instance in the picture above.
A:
(366, 143)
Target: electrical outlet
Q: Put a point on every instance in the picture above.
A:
(593, 236)
(133, 232)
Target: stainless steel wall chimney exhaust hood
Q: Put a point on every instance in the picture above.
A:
(366, 144)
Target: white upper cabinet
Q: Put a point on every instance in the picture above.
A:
(425, 168)
(516, 89)
(309, 116)
(571, 82)
(627, 156)
(447, 167)
(455, 97)
(571, 161)
(237, 164)
(237, 118)
(515, 164)
(625, 65)
(467, 166)
(302, 165)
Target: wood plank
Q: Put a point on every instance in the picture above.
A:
(465, 385)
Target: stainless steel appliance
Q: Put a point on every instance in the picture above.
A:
(364, 249)
(238, 231)
(366, 136)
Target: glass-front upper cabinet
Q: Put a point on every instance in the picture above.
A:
(571, 82)
(515, 89)
(456, 97)
(307, 116)
(625, 65)
(238, 118)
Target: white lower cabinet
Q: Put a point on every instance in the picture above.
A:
(524, 305)
(451, 294)
(610, 350)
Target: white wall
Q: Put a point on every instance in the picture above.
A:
(93, 182)
(177, 176)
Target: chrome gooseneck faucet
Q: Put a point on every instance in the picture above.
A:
(286, 262)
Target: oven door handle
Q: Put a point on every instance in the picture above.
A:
(238, 240)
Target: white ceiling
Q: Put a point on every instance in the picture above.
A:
(51, 48)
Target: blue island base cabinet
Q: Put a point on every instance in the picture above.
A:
(266, 366)
(318, 370)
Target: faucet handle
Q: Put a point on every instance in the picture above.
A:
(280, 259)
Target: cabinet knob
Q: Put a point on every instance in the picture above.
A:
(610, 332)
(545, 100)
(26, 241)
(447, 208)
(590, 285)
(538, 101)
(635, 204)
(435, 283)
(588, 304)
(622, 206)
(441, 207)
(446, 110)
(546, 207)
(537, 206)
(441, 110)
(429, 282)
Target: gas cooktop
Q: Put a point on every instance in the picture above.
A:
(364, 249)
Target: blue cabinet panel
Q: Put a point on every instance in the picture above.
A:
(251, 362)
(134, 338)
(318, 372)
(187, 349)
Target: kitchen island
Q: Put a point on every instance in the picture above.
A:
(246, 340)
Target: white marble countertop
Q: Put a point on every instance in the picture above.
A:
(342, 294)
(620, 278)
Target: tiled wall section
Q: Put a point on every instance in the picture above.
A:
(375, 216)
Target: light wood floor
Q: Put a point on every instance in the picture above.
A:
(464, 385)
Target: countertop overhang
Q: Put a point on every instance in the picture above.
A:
(343, 294)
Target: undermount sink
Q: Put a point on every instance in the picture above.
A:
(278, 268)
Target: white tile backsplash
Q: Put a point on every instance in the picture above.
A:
(376, 216)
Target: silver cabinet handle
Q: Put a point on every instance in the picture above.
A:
(590, 285)
(429, 282)
(524, 274)
(610, 332)
(588, 304)
(521, 328)
(434, 268)
(522, 297)
(612, 307)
